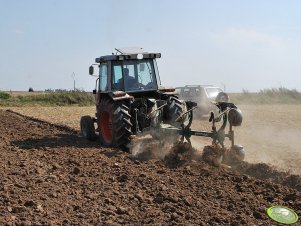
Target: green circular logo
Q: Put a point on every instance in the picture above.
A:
(282, 214)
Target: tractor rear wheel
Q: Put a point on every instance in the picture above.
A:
(115, 123)
(87, 127)
(176, 108)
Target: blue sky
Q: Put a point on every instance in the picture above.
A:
(248, 45)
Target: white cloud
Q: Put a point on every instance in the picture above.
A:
(248, 38)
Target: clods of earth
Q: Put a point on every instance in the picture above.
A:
(52, 176)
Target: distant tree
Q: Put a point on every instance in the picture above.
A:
(30, 89)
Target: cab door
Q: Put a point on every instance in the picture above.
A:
(102, 82)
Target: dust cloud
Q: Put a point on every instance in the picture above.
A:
(269, 133)
(152, 145)
(164, 146)
(272, 134)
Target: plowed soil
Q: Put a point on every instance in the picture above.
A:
(49, 175)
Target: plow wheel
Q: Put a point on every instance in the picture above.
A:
(114, 125)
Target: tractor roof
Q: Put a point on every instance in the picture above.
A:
(128, 54)
(128, 57)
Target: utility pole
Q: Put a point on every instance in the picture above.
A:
(73, 76)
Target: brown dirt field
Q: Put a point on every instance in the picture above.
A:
(52, 176)
(269, 133)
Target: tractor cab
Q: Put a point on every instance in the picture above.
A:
(129, 71)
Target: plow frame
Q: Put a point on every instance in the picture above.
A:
(218, 135)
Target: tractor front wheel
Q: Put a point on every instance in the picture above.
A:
(87, 128)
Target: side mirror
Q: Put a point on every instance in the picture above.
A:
(141, 67)
(94, 91)
(91, 70)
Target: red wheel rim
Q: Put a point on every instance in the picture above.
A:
(106, 127)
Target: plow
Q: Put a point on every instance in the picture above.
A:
(132, 102)
(229, 115)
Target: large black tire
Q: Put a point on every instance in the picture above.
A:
(114, 124)
(87, 127)
(176, 108)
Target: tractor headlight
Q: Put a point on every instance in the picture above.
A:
(139, 56)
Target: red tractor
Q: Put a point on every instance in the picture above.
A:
(130, 100)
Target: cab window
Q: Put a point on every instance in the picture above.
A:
(103, 81)
(117, 81)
